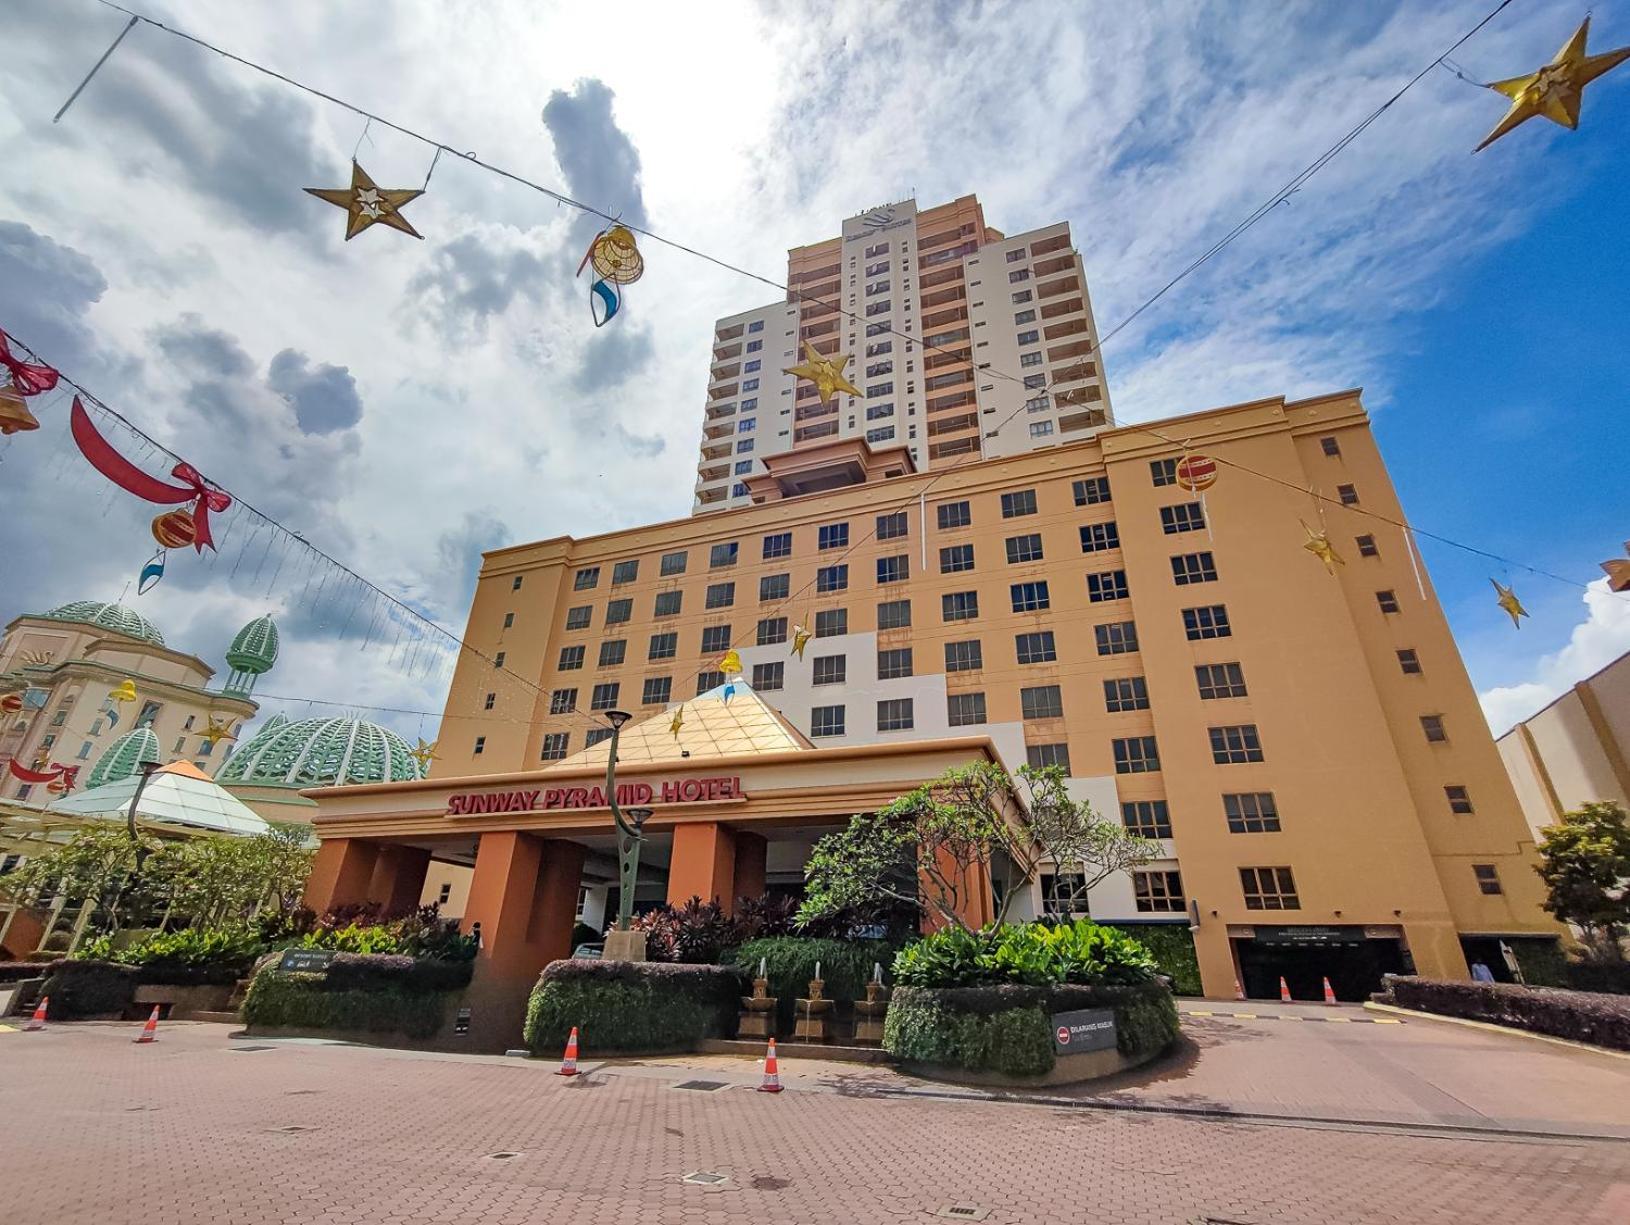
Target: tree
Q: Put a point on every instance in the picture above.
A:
(1585, 864)
(94, 866)
(1083, 848)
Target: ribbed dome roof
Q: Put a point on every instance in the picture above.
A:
(321, 753)
(119, 759)
(254, 650)
(115, 617)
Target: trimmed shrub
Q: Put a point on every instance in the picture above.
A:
(1172, 947)
(395, 972)
(1033, 953)
(631, 1006)
(846, 966)
(88, 989)
(1579, 1015)
(194, 956)
(16, 971)
(303, 1001)
(1609, 977)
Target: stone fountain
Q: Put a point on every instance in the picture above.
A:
(757, 1019)
(869, 1014)
(813, 1014)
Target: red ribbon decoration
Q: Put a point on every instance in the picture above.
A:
(27, 378)
(132, 479)
(23, 774)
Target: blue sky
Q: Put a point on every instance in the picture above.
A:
(408, 404)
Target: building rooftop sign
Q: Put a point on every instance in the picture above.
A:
(632, 794)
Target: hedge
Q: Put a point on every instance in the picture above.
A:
(16, 971)
(304, 1001)
(846, 967)
(1612, 977)
(632, 1006)
(80, 989)
(1172, 947)
(1579, 1015)
(1009, 1029)
(396, 972)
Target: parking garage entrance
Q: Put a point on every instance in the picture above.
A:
(1352, 957)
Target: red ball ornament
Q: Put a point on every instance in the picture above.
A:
(1196, 473)
(11, 703)
(174, 529)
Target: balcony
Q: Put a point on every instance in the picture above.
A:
(1068, 306)
(935, 361)
(1090, 419)
(725, 352)
(1076, 348)
(1058, 242)
(730, 333)
(720, 373)
(718, 429)
(955, 293)
(723, 392)
(717, 450)
(808, 433)
(819, 297)
(1062, 263)
(1064, 284)
(956, 315)
(712, 472)
(1070, 327)
(955, 446)
(712, 497)
(718, 412)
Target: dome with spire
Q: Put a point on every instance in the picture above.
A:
(320, 753)
(115, 617)
(253, 652)
(121, 758)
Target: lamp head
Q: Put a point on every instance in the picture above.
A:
(617, 718)
(639, 816)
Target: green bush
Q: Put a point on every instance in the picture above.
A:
(302, 1001)
(88, 989)
(789, 963)
(1172, 947)
(1580, 1015)
(631, 1006)
(1608, 977)
(1543, 963)
(1033, 954)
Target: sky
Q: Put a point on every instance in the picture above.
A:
(405, 404)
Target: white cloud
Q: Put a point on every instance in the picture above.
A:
(1597, 641)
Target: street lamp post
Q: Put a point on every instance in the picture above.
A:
(629, 826)
(145, 771)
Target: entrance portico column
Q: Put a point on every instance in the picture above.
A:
(976, 901)
(341, 873)
(703, 864)
(398, 878)
(751, 855)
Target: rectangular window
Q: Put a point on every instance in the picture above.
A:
(746, 425)
(1024, 548)
(708, 680)
(1041, 702)
(876, 412)
(1220, 680)
(964, 656)
(668, 603)
(673, 563)
(1092, 491)
(625, 572)
(893, 527)
(956, 558)
(1036, 648)
(592, 737)
(1460, 800)
(1159, 892)
(894, 615)
(578, 618)
(1146, 818)
(1190, 568)
(893, 663)
(1330, 446)
(516, 585)
(826, 721)
(1163, 472)
(1487, 877)
(555, 745)
(509, 620)
(959, 605)
(1432, 725)
(1020, 318)
(722, 555)
(964, 709)
(1017, 275)
(1033, 381)
(831, 622)
(893, 569)
(1409, 662)
(778, 545)
(586, 579)
(1116, 637)
(831, 669)
(1235, 745)
(1366, 546)
(1022, 296)
(619, 611)
(491, 698)
(1096, 537)
(720, 595)
(1040, 429)
(882, 435)
(767, 677)
(1043, 756)
(744, 467)
(604, 697)
(1269, 889)
(658, 689)
(570, 658)
(774, 587)
(1251, 812)
(1207, 621)
(833, 536)
(1014, 257)
(715, 639)
(753, 366)
(1386, 601)
(1022, 502)
(498, 660)
(1110, 585)
(613, 651)
(1184, 517)
(1030, 597)
(894, 715)
(561, 701)
(771, 631)
(1123, 693)
(749, 384)
(663, 646)
(954, 514)
(832, 578)
(1348, 495)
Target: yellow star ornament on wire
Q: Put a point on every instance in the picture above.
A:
(800, 640)
(424, 753)
(678, 721)
(366, 204)
(1508, 600)
(1318, 544)
(217, 732)
(1556, 90)
(825, 372)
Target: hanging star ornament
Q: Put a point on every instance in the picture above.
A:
(424, 754)
(1556, 90)
(1508, 600)
(366, 204)
(678, 720)
(216, 732)
(825, 372)
(1318, 544)
(800, 640)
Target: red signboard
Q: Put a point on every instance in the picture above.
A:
(631, 795)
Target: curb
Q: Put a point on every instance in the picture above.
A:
(1492, 1028)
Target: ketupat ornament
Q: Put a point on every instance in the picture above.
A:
(216, 732)
(366, 204)
(800, 640)
(617, 260)
(678, 720)
(1508, 600)
(424, 753)
(1318, 544)
(825, 372)
(1557, 89)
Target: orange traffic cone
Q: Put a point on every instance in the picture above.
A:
(1284, 992)
(568, 1065)
(1239, 991)
(149, 1031)
(37, 1021)
(1329, 993)
(772, 1073)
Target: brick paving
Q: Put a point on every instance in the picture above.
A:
(193, 1129)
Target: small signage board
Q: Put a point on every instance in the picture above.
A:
(1088, 1029)
(306, 961)
(461, 1023)
(1309, 935)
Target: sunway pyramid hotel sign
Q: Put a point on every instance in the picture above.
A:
(570, 799)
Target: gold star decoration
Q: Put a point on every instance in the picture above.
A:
(216, 732)
(1618, 572)
(367, 204)
(424, 754)
(1508, 600)
(800, 640)
(825, 372)
(678, 721)
(1318, 544)
(1557, 89)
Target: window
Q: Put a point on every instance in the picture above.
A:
(1092, 491)
(663, 646)
(1037, 404)
(668, 603)
(1030, 597)
(570, 658)
(1460, 800)
(1487, 877)
(604, 696)
(578, 618)
(672, 563)
(873, 309)
(715, 639)
(774, 587)
(876, 412)
(516, 585)
(1235, 745)
(743, 446)
(1110, 585)
(746, 425)
(722, 555)
(619, 611)
(1022, 317)
(893, 569)
(1409, 662)
(744, 467)
(751, 368)
(756, 326)
(1146, 818)
(480, 745)
(445, 894)
(85, 749)
(586, 579)
(1014, 257)
(612, 652)
(959, 605)
(1040, 429)
(720, 595)
(778, 545)
(491, 698)
(554, 746)
(1036, 648)
(832, 578)
(1387, 601)
(1163, 472)
(1023, 502)
(1269, 889)
(1251, 812)
(831, 622)
(1017, 275)
(1096, 537)
(831, 669)
(1041, 702)
(892, 527)
(595, 735)
(1330, 446)
(882, 435)
(767, 677)
(964, 656)
(1207, 621)
(772, 630)
(956, 558)
(498, 660)
(1159, 892)
(1024, 548)
(1184, 517)
(1041, 756)
(1021, 296)
(826, 721)
(625, 572)
(1366, 546)
(1123, 693)
(894, 715)
(954, 514)
(1193, 568)
(1220, 680)
(749, 385)
(1116, 637)
(1033, 381)
(1348, 495)
(964, 709)
(509, 620)
(833, 536)
(893, 663)
(894, 615)
(658, 689)
(1432, 725)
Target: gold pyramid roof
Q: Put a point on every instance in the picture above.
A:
(744, 726)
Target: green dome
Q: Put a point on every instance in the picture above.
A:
(320, 753)
(115, 617)
(120, 759)
(254, 650)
